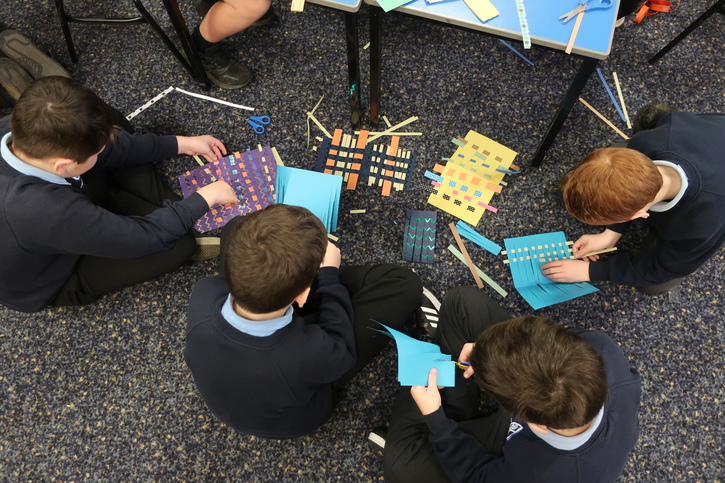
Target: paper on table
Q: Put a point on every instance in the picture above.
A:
(483, 9)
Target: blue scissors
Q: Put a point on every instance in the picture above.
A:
(584, 7)
(258, 123)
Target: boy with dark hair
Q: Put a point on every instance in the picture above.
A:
(567, 403)
(271, 369)
(670, 174)
(84, 211)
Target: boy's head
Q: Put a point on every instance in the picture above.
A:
(540, 372)
(272, 256)
(611, 185)
(57, 117)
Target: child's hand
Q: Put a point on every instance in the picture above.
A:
(208, 146)
(218, 193)
(464, 357)
(566, 271)
(332, 256)
(427, 398)
(594, 243)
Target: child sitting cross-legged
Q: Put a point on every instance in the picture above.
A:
(270, 341)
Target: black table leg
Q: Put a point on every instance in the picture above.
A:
(718, 7)
(576, 87)
(353, 67)
(376, 18)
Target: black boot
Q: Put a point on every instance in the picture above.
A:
(221, 69)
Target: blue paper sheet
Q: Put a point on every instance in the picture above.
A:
(416, 358)
(318, 192)
(526, 254)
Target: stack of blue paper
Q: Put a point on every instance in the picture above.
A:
(318, 192)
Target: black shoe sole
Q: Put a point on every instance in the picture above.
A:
(19, 48)
(13, 80)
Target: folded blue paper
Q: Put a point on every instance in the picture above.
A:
(318, 192)
(416, 358)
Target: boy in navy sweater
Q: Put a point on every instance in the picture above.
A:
(270, 368)
(567, 403)
(84, 212)
(670, 174)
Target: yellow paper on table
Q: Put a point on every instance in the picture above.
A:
(483, 9)
(471, 177)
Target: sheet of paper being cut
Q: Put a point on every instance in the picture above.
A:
(416, 358)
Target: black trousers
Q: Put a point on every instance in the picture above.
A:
(138, 190)
(409, 457)
(385, 292)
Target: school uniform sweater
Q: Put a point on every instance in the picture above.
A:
(46, 227)
(694, 229)
(278, 386)
(528, 458)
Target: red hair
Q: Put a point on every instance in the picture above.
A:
(610, 186)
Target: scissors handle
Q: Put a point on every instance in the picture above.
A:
(603, 4)
(263, 119)
(258, 128)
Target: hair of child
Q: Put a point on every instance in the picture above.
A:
(610, 186)
(540, 372)
(272, 256)
(57, 117)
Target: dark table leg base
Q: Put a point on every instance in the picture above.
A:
(576, 87)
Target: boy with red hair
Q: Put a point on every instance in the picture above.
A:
(672, 175)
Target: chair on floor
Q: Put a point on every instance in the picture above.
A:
(189, 58)
(719, 7)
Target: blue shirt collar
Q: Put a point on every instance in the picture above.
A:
(28, 169)
(570, 443)
(666, 205)
(257, 328)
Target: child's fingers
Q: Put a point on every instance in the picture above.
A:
(432, 378)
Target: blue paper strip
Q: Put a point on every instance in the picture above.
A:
(611, 96)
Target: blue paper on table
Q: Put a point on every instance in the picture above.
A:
(526, 254)
(318, 192)
(416, 358)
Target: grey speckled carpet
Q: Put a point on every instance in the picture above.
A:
(101, 393)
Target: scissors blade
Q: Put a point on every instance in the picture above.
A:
(573, 13)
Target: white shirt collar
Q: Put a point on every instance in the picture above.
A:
(662, 205)
(570, 443)
(257, 328)
(25, 168)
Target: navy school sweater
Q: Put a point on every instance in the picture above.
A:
(279, 386)
(45, 228)
(694, 229)
(528, 458)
